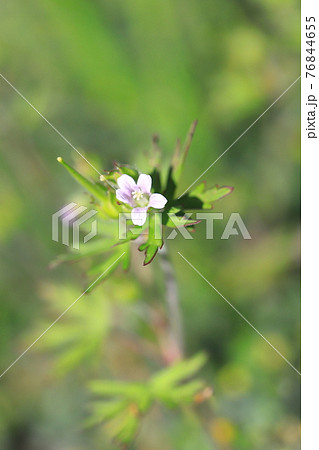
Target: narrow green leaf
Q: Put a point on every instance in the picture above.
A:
(104, 270)
(103, 410)
(180, 395)
(126, 260)
(179, 372)
(124, 426)
(97, 190)
(170, 189)
(180, 154)
(111, 388)
(91, 248)
(156, 185)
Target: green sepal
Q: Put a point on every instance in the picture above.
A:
(114, 174)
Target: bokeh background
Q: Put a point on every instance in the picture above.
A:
(108, 75)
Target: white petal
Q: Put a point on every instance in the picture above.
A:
(123, 196)
(157, 201)
(138, 216)
(126, 183)
(144, 182)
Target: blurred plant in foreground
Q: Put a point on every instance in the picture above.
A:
(125, 403)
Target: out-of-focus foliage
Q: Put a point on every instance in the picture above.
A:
(108, 75)
(125, 403)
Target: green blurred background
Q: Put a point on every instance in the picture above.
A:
(108, 75)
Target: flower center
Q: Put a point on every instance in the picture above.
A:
(140, 198)
(137, 195)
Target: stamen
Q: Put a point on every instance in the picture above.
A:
(137, 195)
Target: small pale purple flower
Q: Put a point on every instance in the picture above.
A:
(138, 196)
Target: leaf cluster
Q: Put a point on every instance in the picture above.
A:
(122, 404)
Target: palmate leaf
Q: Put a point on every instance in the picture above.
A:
(85, 351)
(80, 336)
(172, 386)
(122, 418)
(209, 196)
(201, 198)
(126, 402)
